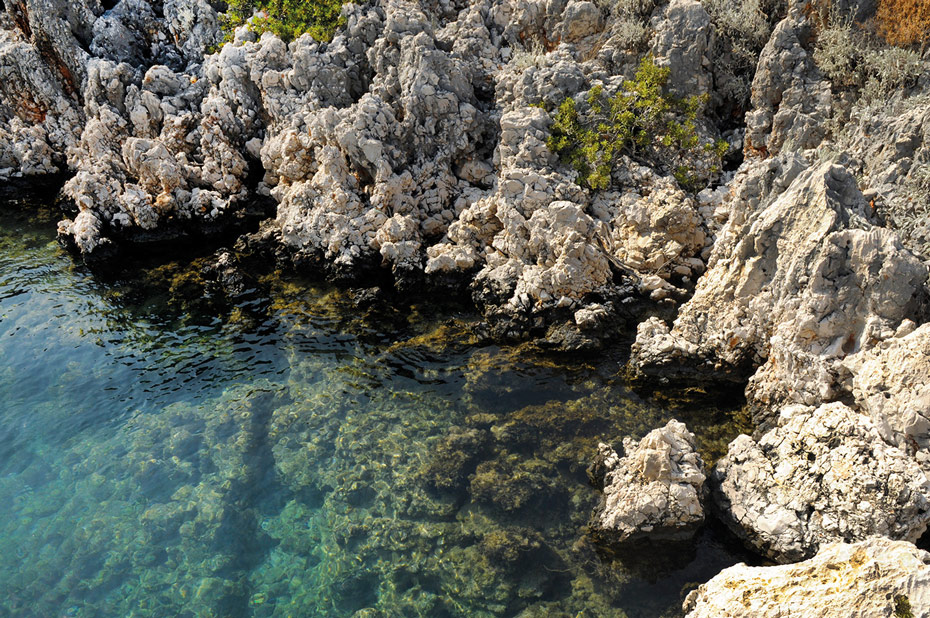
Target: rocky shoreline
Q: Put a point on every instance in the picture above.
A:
(412, 148)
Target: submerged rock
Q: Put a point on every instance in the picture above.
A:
(875, 577)
(652, 492)
(823, 474)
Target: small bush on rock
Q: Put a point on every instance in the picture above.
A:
(851, 58)
(640, 121)
(742, 29)
(286, 18)
(630, 21)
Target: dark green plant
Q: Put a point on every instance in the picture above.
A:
(286, 18)
(902, 607)
(640, 121)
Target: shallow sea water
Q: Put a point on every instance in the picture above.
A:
(295, 455)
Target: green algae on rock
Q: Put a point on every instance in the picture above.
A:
(320, 457)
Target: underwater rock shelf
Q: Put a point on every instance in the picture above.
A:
(293, 454)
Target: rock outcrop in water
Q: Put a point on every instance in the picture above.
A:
(654, 491)
(821, 475)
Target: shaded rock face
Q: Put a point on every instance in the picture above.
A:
(684, 40)
(876, 577)
(822, 475)
(654, 491)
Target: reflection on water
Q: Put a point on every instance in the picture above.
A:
(295, 455)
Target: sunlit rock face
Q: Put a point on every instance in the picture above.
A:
(794, 288)
(654, 491)
(876, 577)
(411, 142)
(821, 475)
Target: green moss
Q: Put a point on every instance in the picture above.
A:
(286, 18)
(640, 121)
(902, 607)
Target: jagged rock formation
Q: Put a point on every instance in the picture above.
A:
(410, 142)
(654, 490)
(892, 156)
(46, 47)
(799, 284)
(823, 474)
(871, 578)
(812, 300)
(791, 100)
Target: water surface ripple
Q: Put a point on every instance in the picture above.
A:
(298, 456)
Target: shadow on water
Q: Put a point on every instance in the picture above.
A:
(302, 450)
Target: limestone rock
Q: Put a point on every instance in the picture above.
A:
(46, 51)
(581, 19)
(800, 283)
(655, 230)
(654, 491)
(682, 43)
(875, 577)
(891, 151)
(823, 474)
(791, 100)
(889, 383)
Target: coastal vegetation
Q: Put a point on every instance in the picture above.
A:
(904, 22)
(642, 121)
(286, 18)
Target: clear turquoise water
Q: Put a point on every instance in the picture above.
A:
(162, 455)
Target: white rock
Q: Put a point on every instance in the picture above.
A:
(654, 490)
(874, 577)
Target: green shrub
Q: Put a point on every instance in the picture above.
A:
(286, 18)
(902, 607)
(630, 19)
(640, 121)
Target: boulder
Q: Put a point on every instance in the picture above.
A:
(889, 383)
(581, 19)
(874, 577)
(654, 491)
(821, 475)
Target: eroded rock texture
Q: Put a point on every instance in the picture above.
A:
(794, 287)
(409, 143)
(890, 384)
(821, 475)
(871, 578)
(654, 491)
